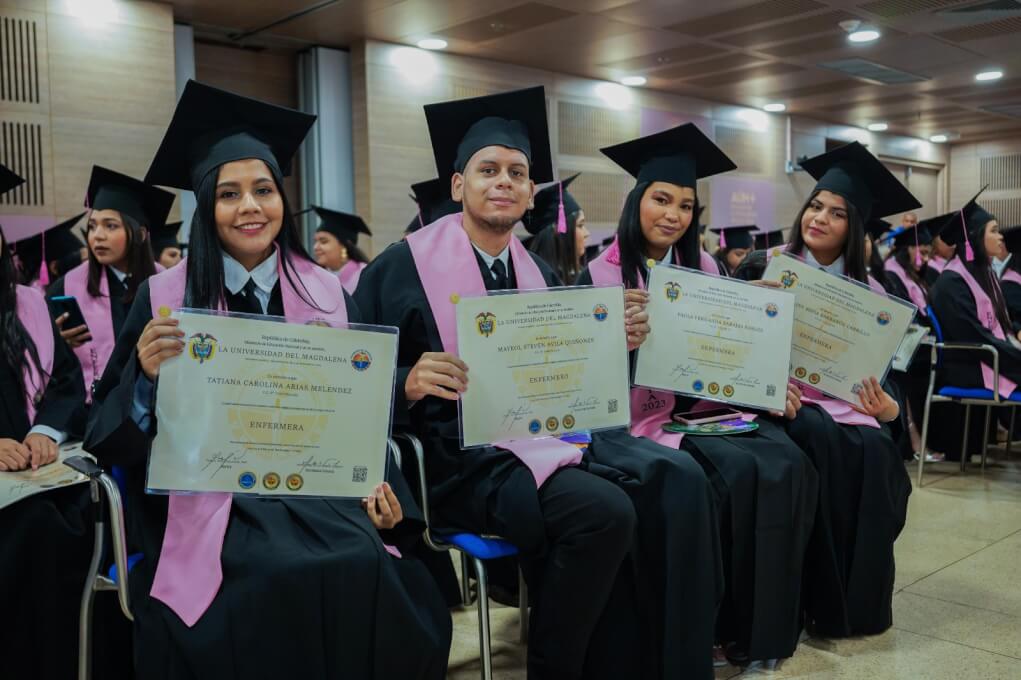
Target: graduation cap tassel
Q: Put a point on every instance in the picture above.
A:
(44, 271)
(969, 254)
(561, 217)
(723, 239)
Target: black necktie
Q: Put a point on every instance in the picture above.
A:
(249, 302)
(499, 274)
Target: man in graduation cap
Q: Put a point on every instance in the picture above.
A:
(735, 243)
(336, 245)
(433, 200)
(60, 248)
(167, 250)
(572, 528)
(558, 232)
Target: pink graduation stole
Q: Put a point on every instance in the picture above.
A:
(94, 354)
(938, 263)
(840, 411)
(349, 275)
(1012, 276)
(34, 315)
(189, 573)
(455, 274)
(915, 292)
(986, 317)
(649, 408)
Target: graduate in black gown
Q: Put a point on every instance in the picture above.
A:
(561, 246)
(863, 486)
(1010, 277)
(970, 306)
(308, 588)
(167, 248)
(764, 485)
(62, 250)
(120, 259)
(583, 558)
(47, 538)
(735, 244)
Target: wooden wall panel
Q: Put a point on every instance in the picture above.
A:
(971, 165)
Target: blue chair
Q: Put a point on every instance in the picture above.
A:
(968, 397)
(474, 549)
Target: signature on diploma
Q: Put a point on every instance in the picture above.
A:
(830, 372)
(516, 415)
(745, 380)
(584, 403)
(313, 464)
(224, 461)
(683, 371)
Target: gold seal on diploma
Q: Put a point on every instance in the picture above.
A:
(455, 298)
(295, 482)
(164, 311)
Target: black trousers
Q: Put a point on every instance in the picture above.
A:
(573, 534)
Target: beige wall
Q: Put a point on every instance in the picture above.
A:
(997, 164)
(106, 94)
(392, 144)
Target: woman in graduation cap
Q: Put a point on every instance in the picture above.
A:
(336, 245)
(1010, 277)
(121, 209)
(167, 250)
(970, 307)
(735, 244)
(905, 268)
(863, 486)
(42, 258)
(559, 235)
(47, 538)
(764, 485)
(250, 587)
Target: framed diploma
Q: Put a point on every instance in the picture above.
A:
(717, 338)
(16, 486)
(543, 363)
(255, 405)
(844, 331)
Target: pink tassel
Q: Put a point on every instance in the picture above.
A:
(44, 270)
(723, 238)
(918, 251)
(969, 254)
(561, 217)
(613, 252)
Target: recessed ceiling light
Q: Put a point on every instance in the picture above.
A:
(775, 107)
(938, 139)
(988, 75)
(864, 36)
(877, 127)
(633, 81)
(433, 44)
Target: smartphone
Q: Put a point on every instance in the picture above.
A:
(713, 415)
(68, 304)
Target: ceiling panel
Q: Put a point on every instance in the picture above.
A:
(788, 30)
(725, 63)
(676, 55)
(505, 23)
(761, 12)
(982, 31)
(743, 75)
(890, 9)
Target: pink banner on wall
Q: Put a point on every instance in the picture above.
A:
(738, 201)
(17, 227)
(654, 120)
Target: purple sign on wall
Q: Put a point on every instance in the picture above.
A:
(654, 120)
(742, 201)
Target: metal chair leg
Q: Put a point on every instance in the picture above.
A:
(466, 592)
(964, 439)
(1010, 432)
(522, 609)
(925, 436)
(89, 592)
(985, 436)
(485, 651)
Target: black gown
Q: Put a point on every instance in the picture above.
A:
(674, 560)
(326, 600)
(955, 311)
(1012, 296)
(766, 491)
(47, 541)
(863, 494)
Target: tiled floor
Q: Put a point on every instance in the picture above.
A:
(957, 607)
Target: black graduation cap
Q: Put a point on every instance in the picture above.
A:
(909, 236)
(967, 222)
(876, 227)
(9, 179)
(736, 236)
(165, 237)
(768, 237)
(516, 120)
(854, 173)
(55, 243)
(344, 226)
(934, 225)
(680, 156)
(111, 190)
(434, 201)
(211, 127)
(547, 205)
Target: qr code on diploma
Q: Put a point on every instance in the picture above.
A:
(611, 406)
(359, 473)
(770, 390)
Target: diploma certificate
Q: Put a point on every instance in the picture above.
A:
(717, 338)
(844, 331)
(16, 486)
(543, 363)
(257, 406)
(914, 337)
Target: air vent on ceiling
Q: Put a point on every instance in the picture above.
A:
(1000, 172)
(992, 29)
(985, 11)
(871, 71)
(1013, 110)
(898, 8)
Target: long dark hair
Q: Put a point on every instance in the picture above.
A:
(877, 266)
(205, 254)
(981, 269)
(354, 253)
(559, 251)
(902, 255)
(141, 263)
(632, 241)
(18, 347)
(854, 244)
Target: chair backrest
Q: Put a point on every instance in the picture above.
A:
(936, 329)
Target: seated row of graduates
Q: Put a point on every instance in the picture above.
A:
(640, 555)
